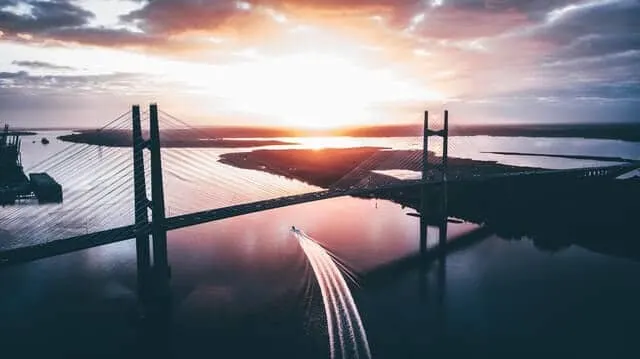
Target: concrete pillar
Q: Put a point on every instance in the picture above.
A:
(423, 232)
(140, 205)
(158, 230)
(445, 146)
(423, 187)
(425, 146)
(445, 165)
(440, 206)
(442, 229)
(441, 305)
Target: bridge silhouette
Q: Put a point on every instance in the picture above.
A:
(90, 240)
(152, 257)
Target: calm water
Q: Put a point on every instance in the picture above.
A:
(240, 284)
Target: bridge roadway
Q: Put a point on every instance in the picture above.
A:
(72, 244)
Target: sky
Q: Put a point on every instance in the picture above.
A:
(312, 63)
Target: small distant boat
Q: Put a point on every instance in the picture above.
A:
(295, 230)
(44, 141)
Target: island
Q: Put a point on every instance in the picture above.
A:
(348, 166)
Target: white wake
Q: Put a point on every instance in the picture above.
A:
(347, 337)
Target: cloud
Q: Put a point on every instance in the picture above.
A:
(63, 83)
(63, 21)
(171, 16)
(604, 19)
(163, 21)
(42, 16)
(105, 37)
(476, 49)
(595, 49)
(12, 75)
(439, 24)
(597, 45)
(41, 65)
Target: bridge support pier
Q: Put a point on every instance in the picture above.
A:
(161, 269)
(438, 210)
(141, 203)
(152, 261)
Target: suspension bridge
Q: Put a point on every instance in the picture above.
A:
(108, 188)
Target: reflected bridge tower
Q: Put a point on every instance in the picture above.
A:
(434, 187)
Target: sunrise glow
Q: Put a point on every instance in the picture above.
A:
(317, 64)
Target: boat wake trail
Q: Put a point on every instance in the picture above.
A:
(347, 337)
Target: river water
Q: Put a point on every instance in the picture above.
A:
(241, 285)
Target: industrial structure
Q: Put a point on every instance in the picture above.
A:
(14, 184)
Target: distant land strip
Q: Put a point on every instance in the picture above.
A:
(576, 157)
(168, 139)
(613, 131)
(617, 131)
(21, 133)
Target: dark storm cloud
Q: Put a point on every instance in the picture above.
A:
(41, 65)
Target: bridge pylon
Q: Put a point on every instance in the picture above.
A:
(153, 267)
(141, 203)
(441, 198)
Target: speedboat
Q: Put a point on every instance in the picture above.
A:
(294, 229)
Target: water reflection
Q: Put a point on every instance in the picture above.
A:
(595, 214)
(237, 288)
(98, 186)
(237, 284)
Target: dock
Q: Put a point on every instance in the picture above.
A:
(45, 188)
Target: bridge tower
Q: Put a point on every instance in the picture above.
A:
(444, 133)
(153, 265)
(439, 184)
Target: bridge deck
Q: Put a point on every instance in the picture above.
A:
(72, 244)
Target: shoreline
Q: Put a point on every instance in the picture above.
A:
(574, 157)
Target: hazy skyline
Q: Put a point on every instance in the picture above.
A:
(319, 63)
